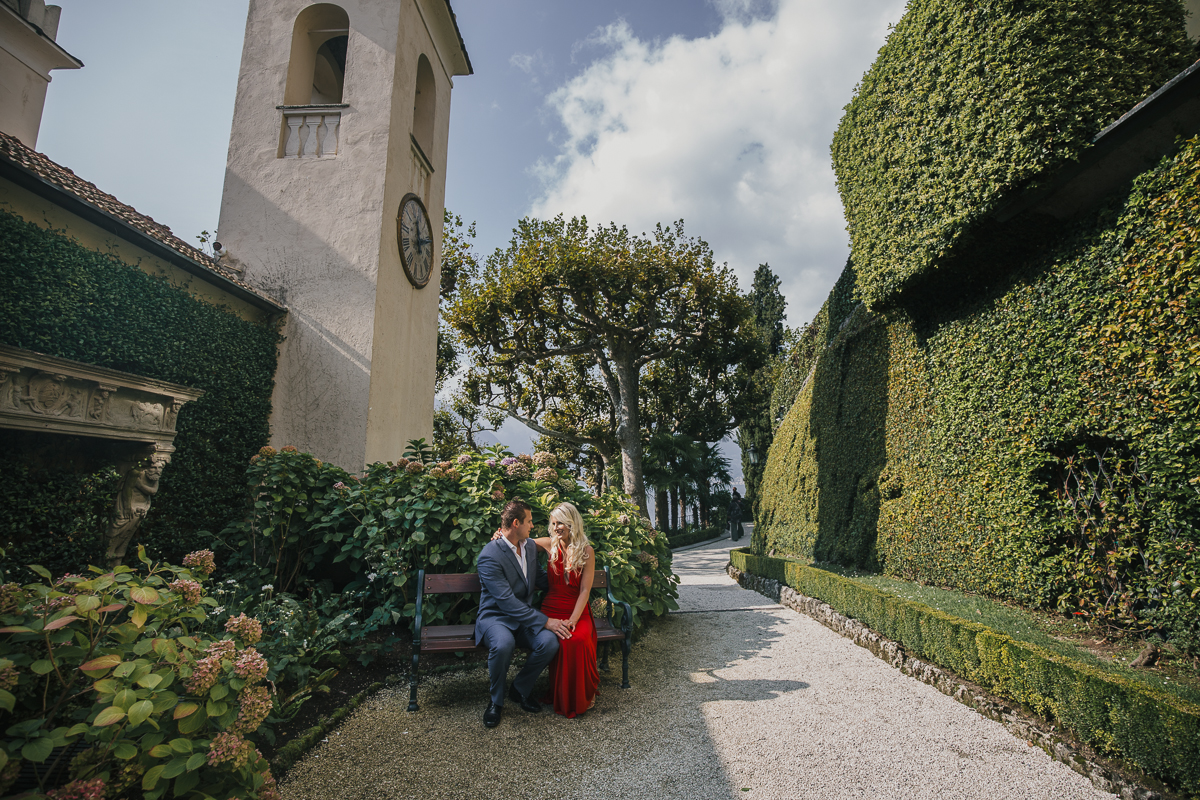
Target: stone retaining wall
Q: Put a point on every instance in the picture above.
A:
(1032, 729)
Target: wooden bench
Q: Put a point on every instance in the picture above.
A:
(461, 638)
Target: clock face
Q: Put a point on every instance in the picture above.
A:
(415, 238)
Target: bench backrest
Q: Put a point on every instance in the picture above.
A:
(468, 583)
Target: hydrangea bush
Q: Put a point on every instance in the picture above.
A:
(119, 662)
(310, 520)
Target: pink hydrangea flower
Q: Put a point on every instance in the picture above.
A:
(415, 468)
(254, 704)
(250, 666)
(491, 462)
(204, 675)
(79, 790)
(201, 561)
(464, 459)
(229, 747)
(623, 519)
(248, 629)
(189, 590)
(518, 470)
(498, 494)
(544, 459)
(546, 474)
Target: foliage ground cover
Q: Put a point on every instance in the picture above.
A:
(60, 298)
(1153, 731)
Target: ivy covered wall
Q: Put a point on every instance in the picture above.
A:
(968, 101)
(1042, 445)
(60, 298)
(1010, 413)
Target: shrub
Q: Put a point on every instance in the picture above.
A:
(968, 101)
(115, 661)
(354, 544)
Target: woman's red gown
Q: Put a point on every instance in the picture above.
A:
(573, 674)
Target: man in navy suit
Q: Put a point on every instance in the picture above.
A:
(509, 574)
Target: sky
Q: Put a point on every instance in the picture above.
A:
(717, 112)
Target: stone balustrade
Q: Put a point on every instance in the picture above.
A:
(311, 131)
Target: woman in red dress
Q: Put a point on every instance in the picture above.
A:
(573, 674)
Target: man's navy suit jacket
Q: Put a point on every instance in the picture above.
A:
(507, 596)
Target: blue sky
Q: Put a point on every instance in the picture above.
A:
(719, 112)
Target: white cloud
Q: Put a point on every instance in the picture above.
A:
(729, 132)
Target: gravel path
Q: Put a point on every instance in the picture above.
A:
(733, 697)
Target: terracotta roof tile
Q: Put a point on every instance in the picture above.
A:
(12, 150)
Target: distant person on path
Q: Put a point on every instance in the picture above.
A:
(735, 516)
(509, 574)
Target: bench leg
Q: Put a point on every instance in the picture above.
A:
(412, 681)
(625, 663)
(604, 658)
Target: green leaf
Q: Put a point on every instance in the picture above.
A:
(186, 782)
(108, 716)
(150, 780)
(196, 761)
(140, 711)
(125, 751)
(181, 745)
(38, 750)
(185, 709)
(40, 570)
(41, 667)
(175, 767)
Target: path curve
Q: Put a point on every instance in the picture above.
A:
(734, 696)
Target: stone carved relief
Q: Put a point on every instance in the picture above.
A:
(146, 415)
(53, 395)
(7, 371)
(43, 393)
(99, 402)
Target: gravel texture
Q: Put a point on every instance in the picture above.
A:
(733, 697)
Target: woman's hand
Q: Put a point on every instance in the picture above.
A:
(498, 534)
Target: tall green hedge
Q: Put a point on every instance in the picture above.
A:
(969, 100)
(1042, 444)
(60, 298)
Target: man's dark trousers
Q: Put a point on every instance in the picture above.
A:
(507, 617)
(501, 642)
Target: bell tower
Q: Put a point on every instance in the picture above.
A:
(342, 114)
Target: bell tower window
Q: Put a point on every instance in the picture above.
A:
(316, 78)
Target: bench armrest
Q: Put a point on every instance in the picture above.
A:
(627, 618)
(417, 614)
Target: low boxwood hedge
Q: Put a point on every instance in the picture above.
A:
(1151, 730)
(684, 539)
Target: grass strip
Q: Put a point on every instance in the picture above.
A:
(1157, 732)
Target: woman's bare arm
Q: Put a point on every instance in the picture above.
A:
(585, 587)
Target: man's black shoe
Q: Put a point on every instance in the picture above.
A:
(532, 706)
(491, 717)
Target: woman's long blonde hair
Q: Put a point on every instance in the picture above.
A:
(577, 545)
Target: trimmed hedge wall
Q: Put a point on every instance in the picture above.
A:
(1157, 732)
(684, 539)
(60, 298)
(969, 100)
(1039, 441)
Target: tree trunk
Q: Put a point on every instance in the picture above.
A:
(629, 428)
(674, 509)
(662, 510)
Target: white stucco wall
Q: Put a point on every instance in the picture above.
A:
(356, 371)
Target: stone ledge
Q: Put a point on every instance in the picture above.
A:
(1032, 729)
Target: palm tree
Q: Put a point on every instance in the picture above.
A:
(711, 467)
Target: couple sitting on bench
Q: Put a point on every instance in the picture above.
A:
(562, 634)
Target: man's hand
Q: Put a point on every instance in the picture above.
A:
(559, 628)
